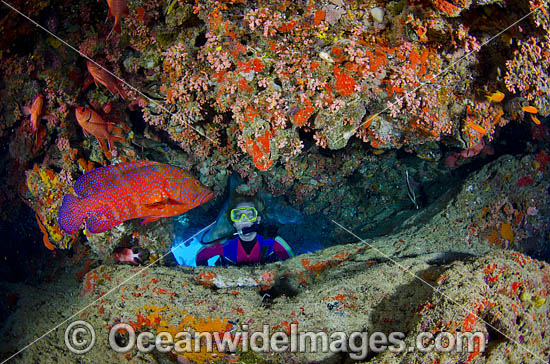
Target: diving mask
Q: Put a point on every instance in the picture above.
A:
(244, 213)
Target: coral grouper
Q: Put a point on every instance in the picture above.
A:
(110, 195)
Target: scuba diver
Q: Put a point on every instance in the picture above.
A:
(248, 247)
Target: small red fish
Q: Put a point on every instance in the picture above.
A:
(134, 256)
(117, 9)
(108, 196)
(481, 147)
(92, 123)
(36, 113)
(105, 78)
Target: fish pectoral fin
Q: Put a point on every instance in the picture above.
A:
(167, 207)
(153, 206)
(166, 202)
(156, 201)
(150, 219)
(172, 202)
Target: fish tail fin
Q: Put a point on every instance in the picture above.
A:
(117, 26)
(70, 215)
(112, 139)
(108, 36)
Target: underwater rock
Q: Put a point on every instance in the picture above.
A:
(502, 295)
(414, 281)
(279, 212)
(469, 219)
(155, 237)
(281, 89)
(340, 124)
(501, 289)
(377, 14)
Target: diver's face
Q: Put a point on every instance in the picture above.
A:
(244, 223)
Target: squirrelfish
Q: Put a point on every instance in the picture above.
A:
(92, 123)
(117, 10)
(134, 256)
(108, 196)
(36, 113)
(105, 78)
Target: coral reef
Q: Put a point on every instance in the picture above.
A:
(267, 90)
(352, 287)
(46, 190)
(358, 122)
(504, 288)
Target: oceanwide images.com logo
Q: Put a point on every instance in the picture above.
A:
(80, 338)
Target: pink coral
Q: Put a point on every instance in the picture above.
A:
(529, 63)
(62, 143)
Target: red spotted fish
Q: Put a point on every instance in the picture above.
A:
(108, 196)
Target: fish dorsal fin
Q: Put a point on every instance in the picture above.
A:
(95, 180)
